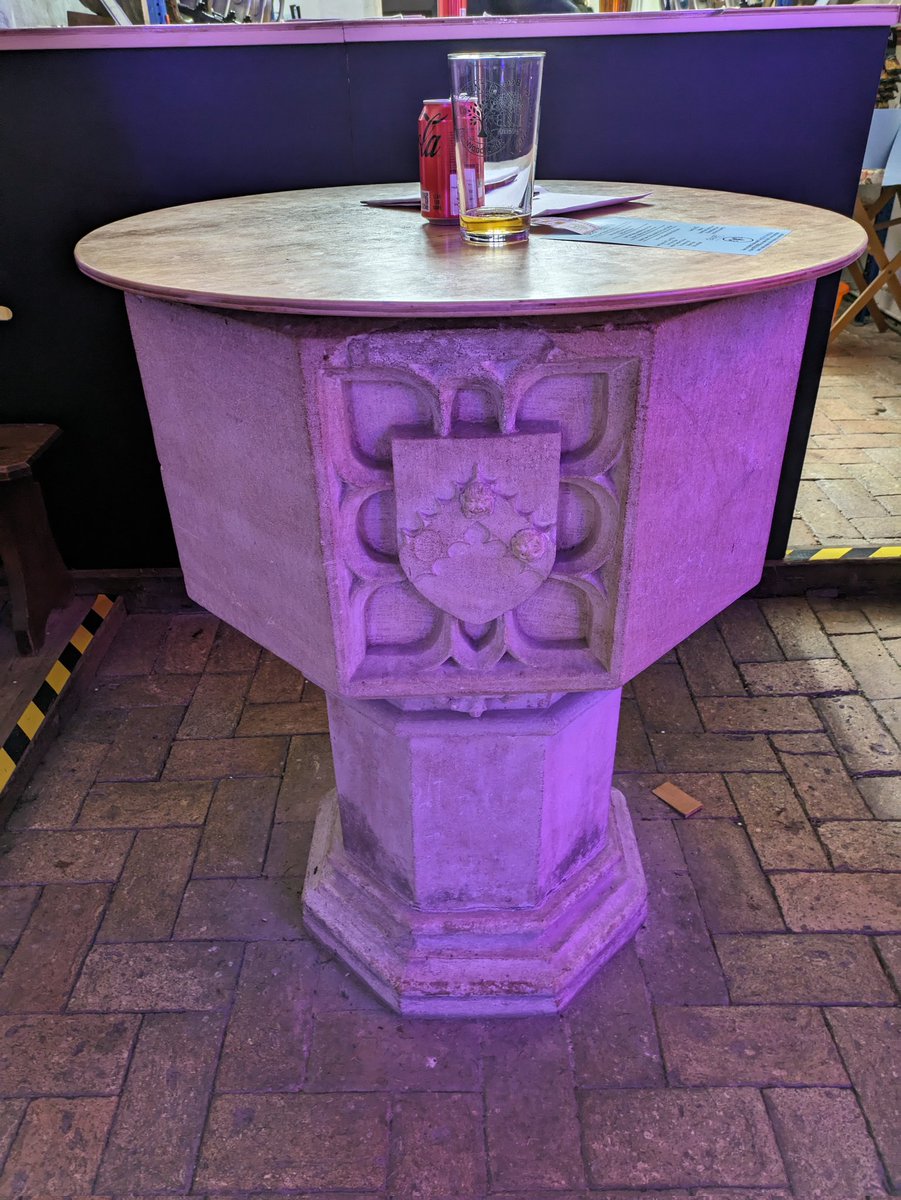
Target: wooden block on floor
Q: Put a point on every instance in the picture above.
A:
(677, 799)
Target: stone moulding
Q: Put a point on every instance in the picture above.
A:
(470, 964)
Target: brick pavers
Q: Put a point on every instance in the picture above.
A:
(167, 1027)
(531, 1114)
(163, 1107)
(674, 944)
(612, 1033)
(803, 969)
(157, 977)
(294, 1142)
(688, 1137)
(58, 1139)
(40, 972)
(268, 1040)
(825, 1144)
(868, 1042)
(850, 491)
(370, 1052)
(67, 774)
(437, 1137)
(146, 901)
(66, 1055)
(757, 1046)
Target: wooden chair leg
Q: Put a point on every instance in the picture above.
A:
(866, 297)
(874, 310)
(855, 306)
(38, 579)
(877, 250)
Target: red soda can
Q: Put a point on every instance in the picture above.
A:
(437, 165)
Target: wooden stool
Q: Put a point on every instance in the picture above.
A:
(38, 580)
(865, 215)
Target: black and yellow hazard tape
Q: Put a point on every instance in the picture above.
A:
(31, 720)
(849, 553)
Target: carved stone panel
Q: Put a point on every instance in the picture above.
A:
(476, 484)
(294, 486)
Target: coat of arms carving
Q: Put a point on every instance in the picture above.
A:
(477, 519)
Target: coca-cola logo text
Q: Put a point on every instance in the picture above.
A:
(430, 137)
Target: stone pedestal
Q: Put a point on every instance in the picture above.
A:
(471, 534)
(475, 865)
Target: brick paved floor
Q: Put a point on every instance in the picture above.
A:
(166, 1026)
(850, 492)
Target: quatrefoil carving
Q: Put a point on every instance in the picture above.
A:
(390, 425)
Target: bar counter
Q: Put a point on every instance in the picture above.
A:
(469, 29)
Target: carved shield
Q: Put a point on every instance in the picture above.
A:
(477, 519)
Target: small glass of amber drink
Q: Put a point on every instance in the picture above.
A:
(496, 101)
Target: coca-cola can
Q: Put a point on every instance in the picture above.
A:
(437, 165)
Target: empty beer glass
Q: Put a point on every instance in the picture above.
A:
(496, 99)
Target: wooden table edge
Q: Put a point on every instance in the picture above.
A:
(425, 310)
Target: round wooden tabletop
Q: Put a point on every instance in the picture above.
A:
(323, 252)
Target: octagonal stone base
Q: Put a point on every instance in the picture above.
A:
(475, 963)
(475, 866)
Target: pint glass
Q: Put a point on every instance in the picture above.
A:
(496, 99)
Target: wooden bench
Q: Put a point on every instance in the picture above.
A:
(38, 581)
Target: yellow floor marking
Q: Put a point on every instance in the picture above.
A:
(30, 720)
(57, 676)
(7, 766)
(81, 639)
